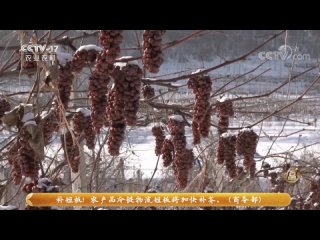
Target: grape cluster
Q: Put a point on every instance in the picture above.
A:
(83, 124)
(115, 113)
(66, 76)
(50, 125)
(131, 89)
(167, 152)
(201, 87)
(148, 91)
(99, 80)
(152, 50)
(29, 164)
(14, 161)
(224, 109)
(228, 145)
(71, 151)
(183, 157)
(158, 133)
(246, 145)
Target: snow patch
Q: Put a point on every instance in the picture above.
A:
(120, 64)
(27, 117)
(86, 112)
(89, 47)
(228, 134)
(44, 114)
(197, 71)
(123, 60)
(9, 207)
(169, 137)
(30, 123)
(177, 118)
(317, 178)
(246, 130)
(158, 124)
(224, 99)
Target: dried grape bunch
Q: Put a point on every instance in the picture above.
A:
(148, 91)
(224, 108)
(152, 50)
(158, 133)
(82, 124)
(205, 125)
(201, 87)
(115, 113)
(50, 125)
(98, 88)
(26, 156)
(223, 124)
(131, 87)
(71, 152)
(4, 107)
(196, 133)
(246, 145)
(99, 80)
(177, 131)
(79, 121)
(220, 151)
(89, 133)
(228, 141)
(111, 41)
(189, 157)
(64, 85)
(14, 161)
(183, 162)
(183, 157)
(167, 151)
(86, 53)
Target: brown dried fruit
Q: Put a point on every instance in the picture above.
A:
(201, 87)
(158, 133)
(131, 87)
(183, 157)
(27, 157)
(148, 92)
(246, 145)
(98, 85)
(50, 125)
(115, 112)
(228, 141)
(152, 50)
(71, 152)
(167, 152)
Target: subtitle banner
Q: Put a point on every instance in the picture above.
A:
(158, 199)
